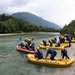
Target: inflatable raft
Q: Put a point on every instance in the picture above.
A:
(62, 44)
(54, 47)
(72, 41)
(25, 50)
(56, 63)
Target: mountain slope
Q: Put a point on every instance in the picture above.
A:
(9, 24)
(35, 20)
(68, 29)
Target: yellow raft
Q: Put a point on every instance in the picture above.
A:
(62, 46)
(72, 41)
(56, 63)
(57, 48)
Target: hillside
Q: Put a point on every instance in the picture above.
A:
(9, 24)
(68, 29)
(35, 20)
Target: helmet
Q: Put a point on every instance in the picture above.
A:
(37, 48)
(26, 38)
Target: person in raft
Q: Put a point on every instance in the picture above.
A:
(44, 42)
(69, 39)
(22, 44)
(64, 53)
(32, 40)
(32, 46)
(51, 44)
(52, 52)
(38, 54)
(58, 44)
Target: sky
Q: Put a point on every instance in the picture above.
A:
(60, 12)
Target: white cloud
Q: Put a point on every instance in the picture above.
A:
(58, 11)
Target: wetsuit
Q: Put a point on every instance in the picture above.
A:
(39, 54)
(64, 54)
(52, 52)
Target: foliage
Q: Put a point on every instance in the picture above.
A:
(10, 24)
(68, 29)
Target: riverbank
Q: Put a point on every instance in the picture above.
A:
(8, 34)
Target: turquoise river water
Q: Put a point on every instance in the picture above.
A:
(13, 62)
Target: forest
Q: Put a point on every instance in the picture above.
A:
(9, 24)
(69, 29)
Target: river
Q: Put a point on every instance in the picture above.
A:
(13, 62)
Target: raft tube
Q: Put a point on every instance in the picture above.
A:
(25, 50)
(54, 63)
